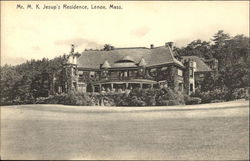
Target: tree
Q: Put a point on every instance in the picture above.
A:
(108, 47)
(22, 90)
(9, 77)
(198, 48)
(219, 48)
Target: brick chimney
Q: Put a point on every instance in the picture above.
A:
(151, 46)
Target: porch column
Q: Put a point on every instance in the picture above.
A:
(140, 85)
(112, 86)
(100, 87)
(126, 86)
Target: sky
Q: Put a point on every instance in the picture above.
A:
(36, 33)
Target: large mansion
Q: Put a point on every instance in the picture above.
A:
(119, 69)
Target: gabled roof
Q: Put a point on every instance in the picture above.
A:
(200, 65)
(156, 56)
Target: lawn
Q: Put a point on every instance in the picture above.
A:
(209, 132)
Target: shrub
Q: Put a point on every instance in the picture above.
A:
(208, 96)
(52, 99)
(141, 97)
(240, 93)
(71, 98)
(217, 101)
(193, 100)
(169, 97)
(220, 95)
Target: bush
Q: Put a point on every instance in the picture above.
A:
(209, 96)
(71, 98)
(240, 93)
(169, 97)
(220, 95)
(141, 97)
(217, 101)
(193, 100)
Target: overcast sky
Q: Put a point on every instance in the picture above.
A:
(34, 34)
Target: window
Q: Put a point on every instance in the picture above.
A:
(81, 87)
(80, 72)
(201, 75)
(153, 72)
(74, 71)
(131, 73)
(191, 87)
(125, 74)
(74, 85)
(180, 86)
(191, 72)
(179, 72)
(113, 74)
(92, 74)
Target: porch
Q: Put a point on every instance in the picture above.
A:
(121, 85)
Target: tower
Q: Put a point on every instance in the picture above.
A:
(71, 71)
(189, 78)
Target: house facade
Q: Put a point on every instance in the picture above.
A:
(120, 69)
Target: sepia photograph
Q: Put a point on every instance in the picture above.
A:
(124, 80)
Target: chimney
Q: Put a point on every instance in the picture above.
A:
(169, 44)
(72, 48)
(151, 46)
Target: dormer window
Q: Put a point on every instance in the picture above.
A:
(92, 74)
(126, 61)
(80, 73)
(105, 65)
(142, 63)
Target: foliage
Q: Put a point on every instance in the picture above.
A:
(108, 47)
(196, 48)
(168, 97)
(71, 98)
(233, 61)
(9, 77)
(151, 97)
(241, 93)
(24, 83)
(193, 100)
(209, 96)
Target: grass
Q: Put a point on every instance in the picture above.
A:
(66, 132)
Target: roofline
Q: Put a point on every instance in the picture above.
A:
(204, 71)
(152, 66)
(130, 48)
(172, 63)
(125, 81)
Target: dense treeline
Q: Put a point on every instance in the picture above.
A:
(25, 82)
(233, 61)
(35, 79)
